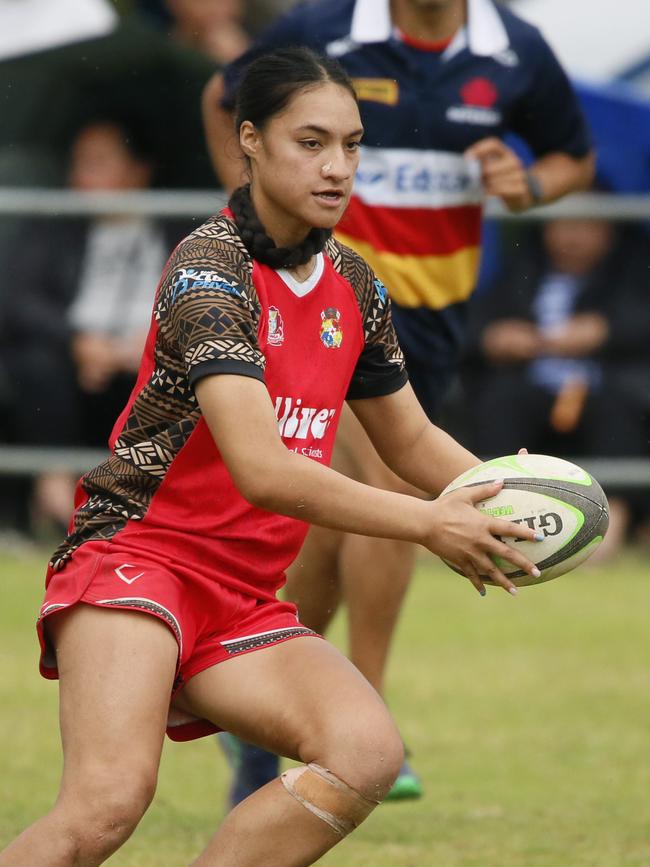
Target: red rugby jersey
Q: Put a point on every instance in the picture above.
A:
(165, 489)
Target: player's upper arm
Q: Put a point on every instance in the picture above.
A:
(393, 422)
(208, 311)
(241, 419)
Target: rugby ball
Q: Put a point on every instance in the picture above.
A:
(553, 497)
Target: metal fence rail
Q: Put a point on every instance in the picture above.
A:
(18, 201)
(59, 203)
(32, 460)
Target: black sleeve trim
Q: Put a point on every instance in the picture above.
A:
(364, 387)
(212, 366)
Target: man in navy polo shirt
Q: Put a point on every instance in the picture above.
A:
(440, 82)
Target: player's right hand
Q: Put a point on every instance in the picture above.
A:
(502, 172)
(469, 539)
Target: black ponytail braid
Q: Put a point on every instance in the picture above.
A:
(261, 246)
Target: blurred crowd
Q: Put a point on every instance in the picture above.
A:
(559, 356)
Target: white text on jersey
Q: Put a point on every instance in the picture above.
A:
(299, 422)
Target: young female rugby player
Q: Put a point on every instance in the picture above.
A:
(161, 608)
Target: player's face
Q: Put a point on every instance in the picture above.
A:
(304, 160)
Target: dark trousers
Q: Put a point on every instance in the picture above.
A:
(49, 408)
(508, 412)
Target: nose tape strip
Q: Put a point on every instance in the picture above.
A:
(327, 167)
(323, 794)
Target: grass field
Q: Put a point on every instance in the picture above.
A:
(529, 720)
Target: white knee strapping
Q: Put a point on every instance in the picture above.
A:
(323, 794)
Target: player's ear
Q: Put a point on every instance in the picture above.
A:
(249, 138)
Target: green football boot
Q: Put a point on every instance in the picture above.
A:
(407, 786)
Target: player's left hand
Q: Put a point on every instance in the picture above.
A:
(502, 172)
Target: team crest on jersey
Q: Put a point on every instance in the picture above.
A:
(330, 328)
(479, 96)
(276, 327)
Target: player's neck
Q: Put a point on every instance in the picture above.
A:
(429, 23)
(285, 229)
(303, 272)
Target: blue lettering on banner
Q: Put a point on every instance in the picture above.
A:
(368, 177)
(424, 181)
(191, 278)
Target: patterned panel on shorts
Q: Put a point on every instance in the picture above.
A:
(151, 607)
(264, 639)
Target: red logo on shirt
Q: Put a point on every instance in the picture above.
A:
(479, 92)
(276, 327)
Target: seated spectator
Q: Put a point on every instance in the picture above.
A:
(215, 27)
(78, 310)
(551, 341)
(135, 71)
(258, 13)
(261, 13)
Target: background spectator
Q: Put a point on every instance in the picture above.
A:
(79, 309)
(136, 71)
(257, 13)
(553, 339)
(215, 27)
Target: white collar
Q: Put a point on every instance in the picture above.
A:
(484, 34)
(303, 287)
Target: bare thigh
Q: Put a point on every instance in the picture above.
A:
(302, 699)
(116, 670)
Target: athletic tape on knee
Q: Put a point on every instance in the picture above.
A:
(324, 795)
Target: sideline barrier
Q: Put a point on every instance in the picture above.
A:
(31, 460)
(19, 201)
(193, 204)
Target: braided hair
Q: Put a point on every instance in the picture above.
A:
(260, 244)
(267, 87)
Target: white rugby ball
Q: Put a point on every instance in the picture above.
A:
(554, 497)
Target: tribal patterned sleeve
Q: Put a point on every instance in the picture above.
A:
(380, 369)
(207, 308)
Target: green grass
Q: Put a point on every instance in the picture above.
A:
(528, 718)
